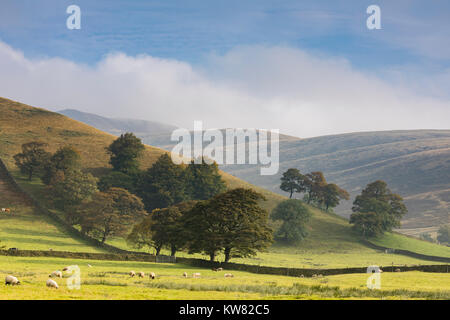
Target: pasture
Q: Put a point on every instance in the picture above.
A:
(110, 280)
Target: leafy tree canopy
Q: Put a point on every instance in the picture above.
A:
(295, 215)
(32, 158)
(124, 152)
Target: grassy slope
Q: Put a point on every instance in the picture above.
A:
(330, 235)
(109, 280)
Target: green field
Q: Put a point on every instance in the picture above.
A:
(110, 280)
(397, 241)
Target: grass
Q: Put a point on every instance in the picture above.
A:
(110, 280)
(397, 241)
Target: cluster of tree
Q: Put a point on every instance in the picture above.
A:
(60, 171)
(232, 223)
(315, 187)
(118, 200)
(377, 210)
(163, 184)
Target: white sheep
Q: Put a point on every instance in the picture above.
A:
(185, 274)
(89, 265)
(57, 274)
(196, 275)
(52, 284)
(141, 274)
(152, 275)
(132, 273)
(228, 275)
(11, 280)
(219, 269)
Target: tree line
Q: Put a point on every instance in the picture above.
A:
(179, 207)
(375, 211)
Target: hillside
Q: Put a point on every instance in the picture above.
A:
(415, 164)
(329, 234)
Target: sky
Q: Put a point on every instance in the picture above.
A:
(307, 68)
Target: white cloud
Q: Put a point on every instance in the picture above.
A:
(276, 87)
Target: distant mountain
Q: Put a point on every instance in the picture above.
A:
(152, 131)
(415, 164)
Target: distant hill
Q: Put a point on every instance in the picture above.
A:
(20, 123)
(151, 131)
(415, 164)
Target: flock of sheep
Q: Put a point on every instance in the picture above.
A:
(11, 280)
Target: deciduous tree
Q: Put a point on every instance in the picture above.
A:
(124, 152)
(32, 158)
(295, 216)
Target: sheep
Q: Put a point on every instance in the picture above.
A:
(52, 284)
(196, 275)
(57, 274)
(152, 275)
(132, 274)
(185, 274)
(141, 274)
(11, 280)
(89, 265)
(228, 275)
(398, 270)
(218, 269)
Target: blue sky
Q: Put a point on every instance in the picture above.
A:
(187, 30)
(210, 43)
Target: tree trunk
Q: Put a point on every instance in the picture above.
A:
(104, 238)
(158, 250)
(30, 175)
(173, 251)
(227, 254)
(309, 197)
(290, 196)
(212, 256)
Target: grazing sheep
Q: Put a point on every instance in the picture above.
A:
(320, 276)
(228, 275)
(132, 273)
(185, 274)
(219, 269)
(302, 276)
(398, 270)
(152, 275)
(196, 275)
(11, 280)
(50, 249)
(52, 284)
(314, 275)
(141, 274)
(57, 274)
